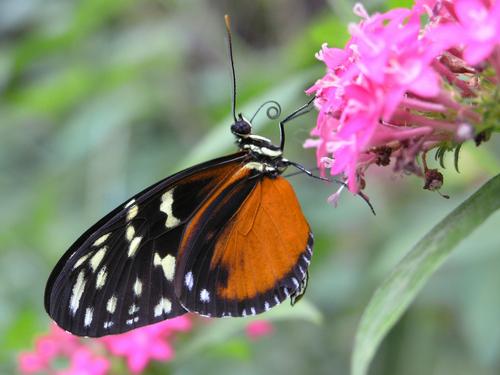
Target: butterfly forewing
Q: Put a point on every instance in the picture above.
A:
(119, 274)
(245, 251)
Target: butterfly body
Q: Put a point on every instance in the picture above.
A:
(223, 238)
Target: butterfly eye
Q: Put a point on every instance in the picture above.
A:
(241, 126)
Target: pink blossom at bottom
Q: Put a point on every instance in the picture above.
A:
(259, 328)
(56, 342)
(84, 362)
(31, 363)
(147, 343)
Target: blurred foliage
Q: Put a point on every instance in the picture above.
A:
(100, 98)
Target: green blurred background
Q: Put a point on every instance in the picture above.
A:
(102, 98)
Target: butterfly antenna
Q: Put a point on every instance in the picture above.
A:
(231, 59)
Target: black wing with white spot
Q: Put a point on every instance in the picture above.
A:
(119, 274)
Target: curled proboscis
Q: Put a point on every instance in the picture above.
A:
(272, 112)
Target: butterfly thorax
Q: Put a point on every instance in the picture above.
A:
(263, 155)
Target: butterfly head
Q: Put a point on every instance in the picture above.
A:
(257, 145)
(241, 127)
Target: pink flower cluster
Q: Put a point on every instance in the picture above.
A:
(60, 344)
(399, 89)
(147, 343)
(92, 357)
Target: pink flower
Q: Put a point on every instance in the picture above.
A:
(31, 363)
(398, 90)
(481, 28)
(57, 341)
(147, 343)
(259, 328)
(84, 362)
(138, 347)
(179, 324)
(47, 347)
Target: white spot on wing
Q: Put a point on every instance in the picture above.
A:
(89, 312)
(167, 264)
(106, 325)
(133, 309)
(111, 304)
(101, 240)
(164, 306)
(295, 282)
(302, 272)
(137, 287)
(97, 258)
(277, 300)
(129, 203)
(130, 232)
(76, 293)
(266, 306)
(134, 245)
(309, 250)
(167, 200)
(80, 261)
(306, 260)
(101, 278)
(253, 311)
(133, 320)
(204, 296)
(132, 211)
(189, 280)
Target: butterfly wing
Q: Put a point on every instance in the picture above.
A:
(245, 251)
(119, 274)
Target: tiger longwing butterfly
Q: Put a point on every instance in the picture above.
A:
(223, 238)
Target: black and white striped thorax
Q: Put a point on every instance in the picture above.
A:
(264, 156)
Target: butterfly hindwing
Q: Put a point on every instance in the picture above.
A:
(119, 274)
(246, 251)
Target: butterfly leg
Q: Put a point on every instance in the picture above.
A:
(303, 169)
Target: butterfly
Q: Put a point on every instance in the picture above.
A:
(224, 238)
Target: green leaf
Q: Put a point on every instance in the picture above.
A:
(399, 289)
(218, 331)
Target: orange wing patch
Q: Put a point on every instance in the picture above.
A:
(262, 243)
(233, 176)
